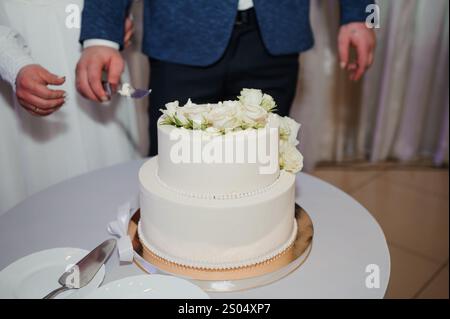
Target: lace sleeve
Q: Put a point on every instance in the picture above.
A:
(14, 55)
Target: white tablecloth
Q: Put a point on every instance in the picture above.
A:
(75, 213)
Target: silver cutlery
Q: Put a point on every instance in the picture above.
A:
(84, 271)
(126, 90)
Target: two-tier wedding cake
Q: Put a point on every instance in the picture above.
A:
(221, 192)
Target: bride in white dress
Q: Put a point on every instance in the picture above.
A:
(36, 152)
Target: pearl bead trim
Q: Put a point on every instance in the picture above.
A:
(218, 264)
(213, 196)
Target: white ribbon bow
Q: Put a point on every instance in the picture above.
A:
(119, 228)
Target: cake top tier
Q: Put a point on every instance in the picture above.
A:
(252, 111)
(226, 149)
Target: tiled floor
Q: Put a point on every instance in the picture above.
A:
(412, 207)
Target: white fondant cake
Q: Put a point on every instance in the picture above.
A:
(210, 199)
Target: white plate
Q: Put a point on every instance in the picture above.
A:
(35, 275)
(149, 287)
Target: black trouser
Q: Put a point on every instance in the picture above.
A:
(245, 64)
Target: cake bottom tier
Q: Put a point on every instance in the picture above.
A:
(216, 233)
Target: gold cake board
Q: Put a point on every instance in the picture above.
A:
(279, 266)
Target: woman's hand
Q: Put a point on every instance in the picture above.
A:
(32, 91)
(129, 31)
(358, 35)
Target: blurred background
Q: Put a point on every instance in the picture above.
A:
(383, 140)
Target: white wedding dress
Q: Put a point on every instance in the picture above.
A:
(82, 136)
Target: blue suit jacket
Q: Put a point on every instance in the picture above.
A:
(197, 32)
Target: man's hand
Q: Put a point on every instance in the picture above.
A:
(93, 61)
(364, 41)
(32, 91)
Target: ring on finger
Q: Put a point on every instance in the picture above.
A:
(36, 109)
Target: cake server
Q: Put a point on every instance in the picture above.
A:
(80, 274)
(126, 90)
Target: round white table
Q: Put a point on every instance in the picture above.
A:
(349, 257)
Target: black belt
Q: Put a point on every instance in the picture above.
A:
(246, 17)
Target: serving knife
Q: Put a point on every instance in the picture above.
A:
(80, 274)
(126, 90)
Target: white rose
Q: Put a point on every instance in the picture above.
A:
(225, 115)
(193, 112)
(230, 104)
(274, 121)
(289, 130)
(181, 119)
(171, 108)
(198, 121)
(192, 109)
(253, 115)
(291, 159)
(268, 102)
(251, 97)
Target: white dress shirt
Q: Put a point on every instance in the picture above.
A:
(14, 55)
(242, 5)
(245, 5)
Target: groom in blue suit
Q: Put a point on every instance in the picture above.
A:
(210, 49)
